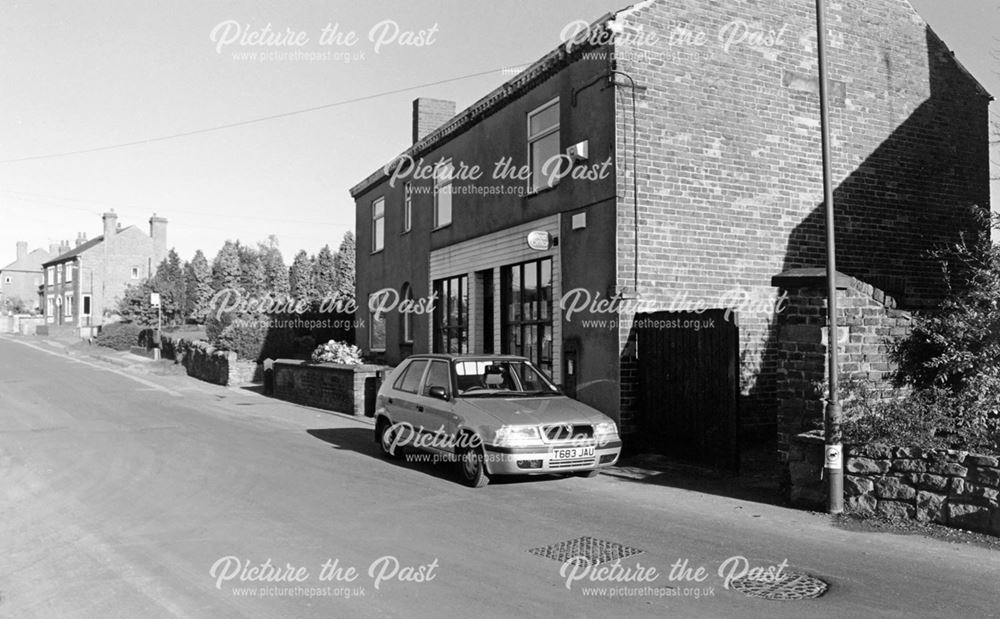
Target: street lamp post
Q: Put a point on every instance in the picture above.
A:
(834, 469)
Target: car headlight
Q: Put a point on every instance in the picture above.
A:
(605, 431)
(513, 435)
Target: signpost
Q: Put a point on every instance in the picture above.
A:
(154, 300)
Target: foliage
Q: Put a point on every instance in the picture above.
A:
(931, 418)
(961, 341)
(299, 275)
(119, 335)
(198, 284)
(216, 323)
(252, 276)
(226, 269)
(337, 352)
(344, 263)
(324, 274)
(134, 306)
(275, 272)
(245, 336)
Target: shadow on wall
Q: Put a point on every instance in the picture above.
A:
(912, 194)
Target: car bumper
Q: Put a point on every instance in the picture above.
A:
(549, 459)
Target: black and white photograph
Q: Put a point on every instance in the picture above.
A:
(499, 308)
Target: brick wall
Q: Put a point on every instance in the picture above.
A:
(329, 386)
(728, 166)
(867, 320)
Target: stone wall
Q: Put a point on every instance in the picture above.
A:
(950, 487)
(867, 319)
(221, 367)
(330, 386)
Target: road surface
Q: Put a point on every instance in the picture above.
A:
(137, 495)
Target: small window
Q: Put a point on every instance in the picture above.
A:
(376, 335)
(437, 376)
(69, 272)
(407, 207)
(7, 279)
(406, 316)
(443, 174)
(50, 275)
(543, 143)
(68, 306)
(378, 225)
(409, 380)
(59, 273)
(86, 305)
(135, 272)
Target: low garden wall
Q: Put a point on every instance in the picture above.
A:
(347, 389)
(949, 487)
(221, 367)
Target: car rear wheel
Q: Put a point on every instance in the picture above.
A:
(472, 467)
(385, 434)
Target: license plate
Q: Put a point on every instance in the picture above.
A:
(572, 453)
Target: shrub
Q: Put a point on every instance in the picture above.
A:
(931, 418)
(337, 352)
(215, 324)
(244, 337)
(119, 335)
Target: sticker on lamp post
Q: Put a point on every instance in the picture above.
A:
(154, 299)
(834, 457)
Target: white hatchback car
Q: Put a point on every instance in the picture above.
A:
(491, 415)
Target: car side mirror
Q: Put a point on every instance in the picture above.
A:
(438, 392)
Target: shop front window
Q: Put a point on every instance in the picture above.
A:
(526, 299)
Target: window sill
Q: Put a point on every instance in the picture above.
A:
(405, 232)
(377, 251)
(538, 192)
(441, 227)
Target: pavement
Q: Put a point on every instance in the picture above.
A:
(125, 492)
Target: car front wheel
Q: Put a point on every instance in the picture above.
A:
(385, 434)
(472, 467)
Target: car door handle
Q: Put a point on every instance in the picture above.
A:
(420, 409)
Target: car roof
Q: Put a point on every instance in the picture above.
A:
(466, 357)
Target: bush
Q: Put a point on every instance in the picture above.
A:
(119, 335)
(337, 352)
(244, 337)
(931, 418)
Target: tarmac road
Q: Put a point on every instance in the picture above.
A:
(156, 496)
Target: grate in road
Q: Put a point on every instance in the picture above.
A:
(790, 586)
(593, 549)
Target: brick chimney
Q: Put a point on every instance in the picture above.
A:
(429, 114)
(158, 232)
(64, 247)
(22, 250)
(110, 220)
(81, 238)
(53, 250)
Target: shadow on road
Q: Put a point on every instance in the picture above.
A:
(362, 440)
(759, 480)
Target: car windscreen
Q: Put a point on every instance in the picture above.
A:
(500, 378)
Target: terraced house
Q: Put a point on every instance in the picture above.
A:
(83, 284)
(668, 156)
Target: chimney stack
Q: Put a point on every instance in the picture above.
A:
(110, 224)
(81, 238)
(22, 250)
(53, 250)
(429, 114)
(158, 232)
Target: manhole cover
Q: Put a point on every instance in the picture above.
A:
(790, 586)
(591, 548)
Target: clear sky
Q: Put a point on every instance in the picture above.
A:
(83, 75)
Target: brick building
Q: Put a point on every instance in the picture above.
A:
(83, 285)
(20, 280)
(693, 132)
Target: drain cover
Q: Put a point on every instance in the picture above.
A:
(791, 586)
(593, 549)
